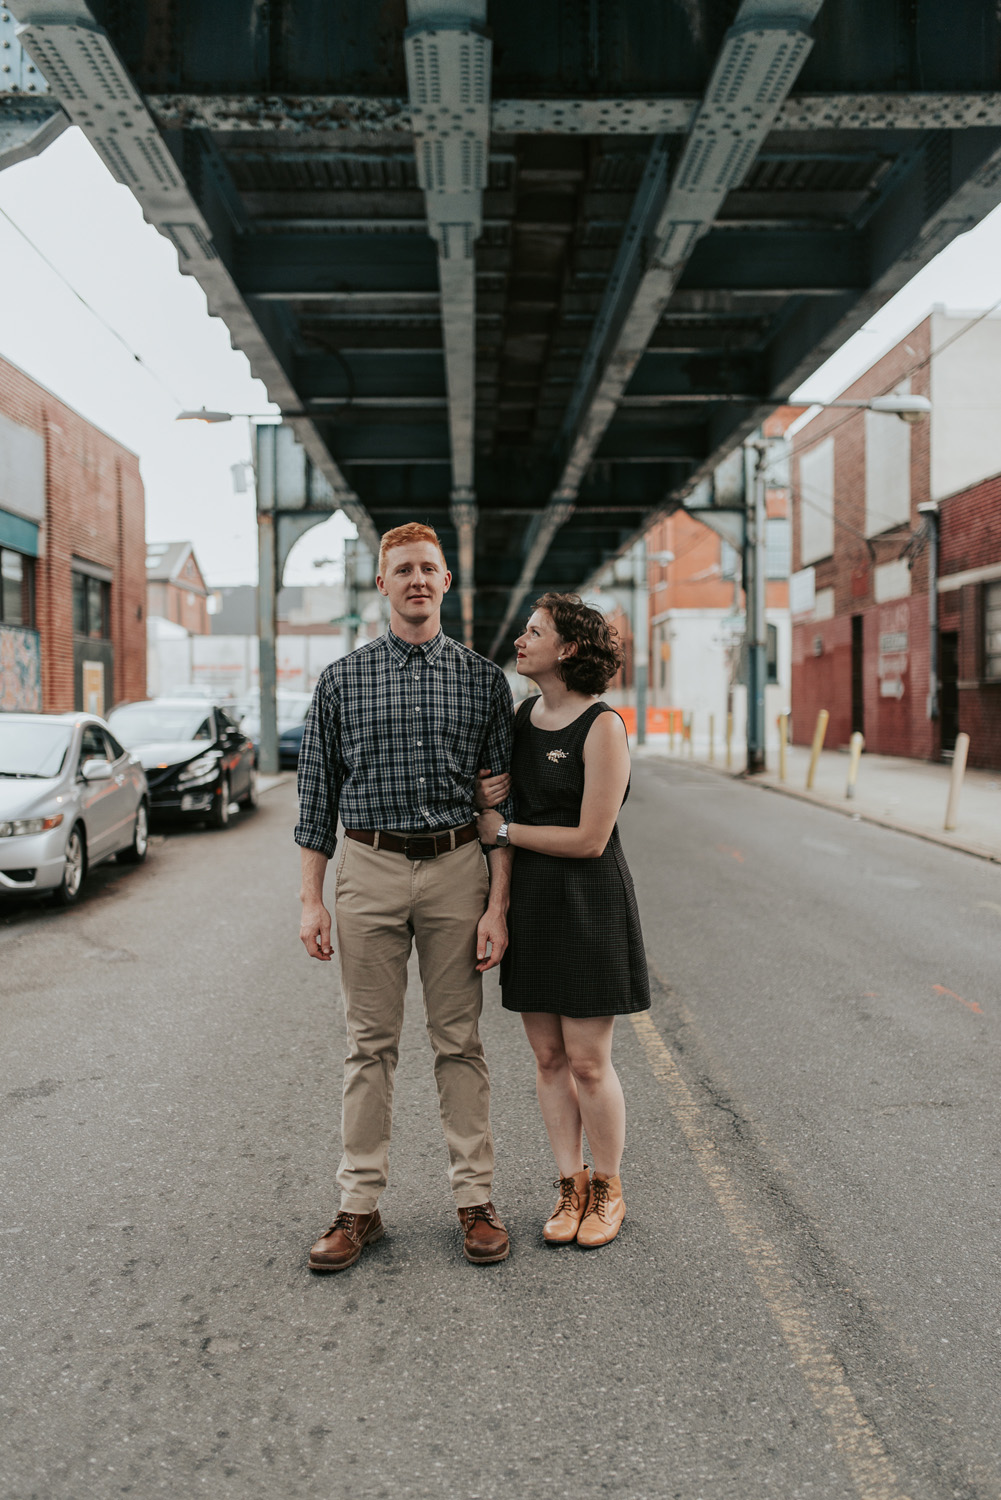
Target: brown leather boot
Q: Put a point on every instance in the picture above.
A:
(341, 1245)
(605, 1212)
(486, 1238)
(562, 1225)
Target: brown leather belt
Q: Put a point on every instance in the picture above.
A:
(415, 845)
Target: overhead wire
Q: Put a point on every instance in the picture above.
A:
(92, 310)
(904, 375)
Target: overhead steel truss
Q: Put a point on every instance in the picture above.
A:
(529, 272)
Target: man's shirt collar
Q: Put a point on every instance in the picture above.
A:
(401, 651)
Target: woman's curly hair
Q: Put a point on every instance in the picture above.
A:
(599, 654)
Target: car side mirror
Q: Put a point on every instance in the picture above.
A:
(96, 770)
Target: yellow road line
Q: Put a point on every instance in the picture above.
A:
(864, 1455)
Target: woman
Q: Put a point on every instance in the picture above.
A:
(576, 957)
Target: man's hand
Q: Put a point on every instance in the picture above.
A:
(314, 931)
(491, 790)
(491, 933)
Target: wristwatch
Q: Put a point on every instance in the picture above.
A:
(502, 839)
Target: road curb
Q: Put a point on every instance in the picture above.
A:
(993, 856)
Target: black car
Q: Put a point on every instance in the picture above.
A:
(197, 760)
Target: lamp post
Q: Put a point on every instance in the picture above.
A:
(909, 409)
(641, 560)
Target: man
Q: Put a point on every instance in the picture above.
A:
(395, 736)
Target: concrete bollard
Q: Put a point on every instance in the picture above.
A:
(691, 735)
(818, 744)
(856, 744)
(712, 737)
(783, 744)
(956, 780)
(729, 741)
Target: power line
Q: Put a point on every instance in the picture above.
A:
(912, 370)
(92, 310)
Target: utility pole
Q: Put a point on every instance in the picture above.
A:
(267, 633)
(756, 630)
(641, 636)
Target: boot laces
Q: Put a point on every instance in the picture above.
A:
(482, 1212)
(600, 1188)
(568, 1192)
(345, 1221)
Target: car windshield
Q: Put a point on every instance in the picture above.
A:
(33, 748)
(143, 723)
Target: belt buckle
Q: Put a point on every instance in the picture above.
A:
(428, 839)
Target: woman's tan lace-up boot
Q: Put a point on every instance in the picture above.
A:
(605, 1212)
(561, 1227)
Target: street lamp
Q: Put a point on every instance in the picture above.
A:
(909, 409)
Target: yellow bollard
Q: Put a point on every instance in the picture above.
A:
(783, 742)
(956, 780)
(729, 741)
(856, 744)
(712, 737)
(817, 746)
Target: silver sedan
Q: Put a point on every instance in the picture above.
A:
(70, 797)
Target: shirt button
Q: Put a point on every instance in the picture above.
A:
(420, 744)
(422, 781)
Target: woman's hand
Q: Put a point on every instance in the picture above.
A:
(491, 791)
(487, 825)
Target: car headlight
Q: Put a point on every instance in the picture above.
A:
(202, 769)
(29, 825)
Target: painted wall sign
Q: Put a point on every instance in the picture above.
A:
(20, 670)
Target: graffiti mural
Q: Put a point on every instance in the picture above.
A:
(20, 670)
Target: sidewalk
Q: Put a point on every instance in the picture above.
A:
(909, 795)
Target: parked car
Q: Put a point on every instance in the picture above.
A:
(70, 797)
(197, 760)
(292, 711)
(290, 743)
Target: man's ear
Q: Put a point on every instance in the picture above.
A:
(448, 581)
(380, 584)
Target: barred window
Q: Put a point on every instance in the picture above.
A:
(992, 631)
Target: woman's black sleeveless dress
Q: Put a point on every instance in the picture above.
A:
(576, 948)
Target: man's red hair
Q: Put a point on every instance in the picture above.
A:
(405, 536)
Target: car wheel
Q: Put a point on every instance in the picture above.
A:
(250, 796)
(139, 847)
(219, 817)
(67, 892)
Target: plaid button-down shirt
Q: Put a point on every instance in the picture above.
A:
(395, 736)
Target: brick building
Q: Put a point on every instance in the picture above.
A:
(695, 593)
(879, 505)
(175, 588)
(72, 551)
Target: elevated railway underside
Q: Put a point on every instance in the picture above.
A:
(530, 274)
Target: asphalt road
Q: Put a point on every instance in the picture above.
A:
(804, 1300)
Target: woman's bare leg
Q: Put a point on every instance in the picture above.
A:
(556, 1089)
(588, 1048)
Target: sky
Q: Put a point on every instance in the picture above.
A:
(93, 232)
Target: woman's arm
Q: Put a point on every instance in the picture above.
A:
(606, 776)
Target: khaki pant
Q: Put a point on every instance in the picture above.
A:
(384, 902)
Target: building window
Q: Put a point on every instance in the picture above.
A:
(17, 588)
(992, 632)
(91, 607)
(778, 547)
(772, 653)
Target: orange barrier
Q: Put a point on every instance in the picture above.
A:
(658, 720)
